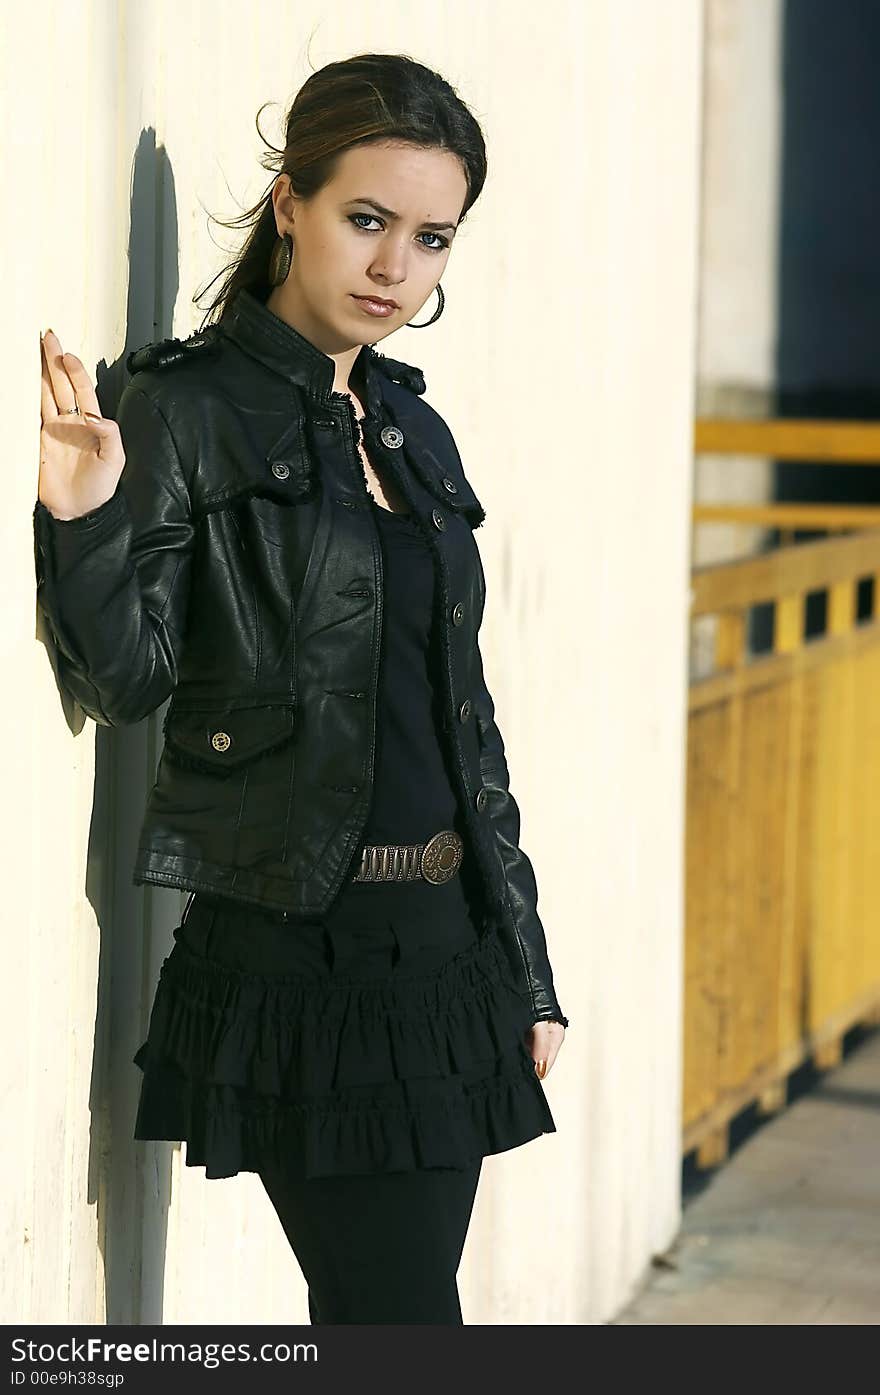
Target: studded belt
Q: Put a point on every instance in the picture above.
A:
(435, 861)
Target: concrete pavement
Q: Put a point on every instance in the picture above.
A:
(788, 1229)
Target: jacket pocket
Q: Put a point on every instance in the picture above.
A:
(219, 742)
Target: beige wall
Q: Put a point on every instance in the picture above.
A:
(738, 269)
(739, 252)
(577, 270)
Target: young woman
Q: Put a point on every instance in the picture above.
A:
(276, 532)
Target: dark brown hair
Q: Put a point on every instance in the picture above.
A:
(362, 100)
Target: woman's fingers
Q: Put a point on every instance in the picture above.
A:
(86, 396)
(62, 387)
(48, 405)
(545, 1039)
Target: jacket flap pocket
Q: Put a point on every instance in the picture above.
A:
(241, 464)
(221, 740)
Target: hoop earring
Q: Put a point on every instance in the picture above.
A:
(437, 313)
(280, 259)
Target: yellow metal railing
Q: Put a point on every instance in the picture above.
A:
(783, 813)
(790, 438)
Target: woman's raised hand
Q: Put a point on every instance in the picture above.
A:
(81, 454)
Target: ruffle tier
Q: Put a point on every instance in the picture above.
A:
(339, 1075)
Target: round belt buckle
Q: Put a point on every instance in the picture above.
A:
(441, 856)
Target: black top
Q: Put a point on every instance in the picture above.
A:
(413, 797)
(413, 793)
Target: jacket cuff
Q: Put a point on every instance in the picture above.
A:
(550, 1015)
(61, 542)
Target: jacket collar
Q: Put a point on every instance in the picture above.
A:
(272, 341)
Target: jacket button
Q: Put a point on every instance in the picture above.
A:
(221, 740)
(391, 436)
(482, 799)
(326, 423)
(280, 470)
(465, 710)
(439, 520)
(448, 484)
(458, 614)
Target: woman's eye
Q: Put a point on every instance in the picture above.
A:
(441, 242)
(369, 217)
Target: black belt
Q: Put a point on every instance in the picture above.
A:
(435, 861)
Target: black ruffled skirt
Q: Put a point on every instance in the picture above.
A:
(389, 1036)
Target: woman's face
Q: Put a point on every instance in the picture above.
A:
(344, 247)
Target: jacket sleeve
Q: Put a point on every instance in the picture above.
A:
(522, 890)
(113, 584)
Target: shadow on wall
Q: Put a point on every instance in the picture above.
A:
(129, 1182)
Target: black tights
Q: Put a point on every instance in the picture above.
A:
(381, 1247)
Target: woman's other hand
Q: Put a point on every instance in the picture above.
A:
(81, 454)
(544, 1040)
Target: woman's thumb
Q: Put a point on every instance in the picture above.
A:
(102, 426)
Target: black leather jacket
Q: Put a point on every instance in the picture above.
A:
(237, 570)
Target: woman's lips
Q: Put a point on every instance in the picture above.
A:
(374, 307)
